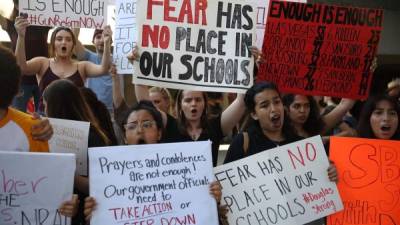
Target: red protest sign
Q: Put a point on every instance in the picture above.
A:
(369, 181)
(316, 49)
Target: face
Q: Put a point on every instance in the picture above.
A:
(98, 42)
(63, 44)
(384, 120)
(299, 110)
(141, 128)
(193, 105)
(269, 111)
(159, 101)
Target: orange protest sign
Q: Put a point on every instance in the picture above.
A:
(369, 181)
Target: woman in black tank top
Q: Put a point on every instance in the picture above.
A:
(61, 65)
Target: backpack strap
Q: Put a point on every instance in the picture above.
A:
(245, 143)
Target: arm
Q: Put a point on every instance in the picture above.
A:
(118, 99)
(232, 115)
(79, 49)
(34, 65)
(335, 116)
(93, 70)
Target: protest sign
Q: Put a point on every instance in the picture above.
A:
(33, 186)
(196, 44)
(285, 185)
(369, 172)
(155, 184)
(68, 13)
(124, 34)
(315, 49)
(262, 15)
(71, 136)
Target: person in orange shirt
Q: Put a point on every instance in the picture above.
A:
(18, 131)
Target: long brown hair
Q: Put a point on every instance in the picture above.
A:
(53, 39)
(182, 122)
(65, 101)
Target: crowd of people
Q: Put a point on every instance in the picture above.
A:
(273, 118)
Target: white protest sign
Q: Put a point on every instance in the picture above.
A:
(124, 35)
(196, 44)
(262, 16)
(71, 136)
(68, 13)
(287, 185)
(156, 184)
(33, 186)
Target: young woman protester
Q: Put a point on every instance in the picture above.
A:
(61, 65)
(63, 100)
(379, 118)
(143, 124)
(269, 128)
(306, 118)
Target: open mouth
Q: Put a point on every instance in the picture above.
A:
(63, 49)
(193, 111)
(275, 119)
(141, 142)
(385, 128)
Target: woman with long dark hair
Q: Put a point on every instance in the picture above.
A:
(379, 118)
(306, 118)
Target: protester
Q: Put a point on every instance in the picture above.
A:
(380, 118)
(143, 125)
(100, 112)
(161, 98)
(306, 118)
(269, 129)
(101, 85)
(34, 34)
(61, 65)
(17, 129)
(63, 100)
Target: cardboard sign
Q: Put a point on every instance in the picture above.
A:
(71, 137)
(67, 13)
(33, 186)
(315, 49)
(369, 173)
(285, 185)
(262, 15)
(153, 184)
(196, 44)
(124, 35)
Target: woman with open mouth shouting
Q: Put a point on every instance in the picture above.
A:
(380, 118)
(61, 65)
(270, 127)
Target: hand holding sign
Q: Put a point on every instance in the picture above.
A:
(21, 24)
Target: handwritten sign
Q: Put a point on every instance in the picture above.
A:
(124, 35)
(285, 185)
(369, 172)
(71, 137)
(33, 187)
(68, 13)
(262, 15)
(315, 49)
(196, 44)
(153, 184)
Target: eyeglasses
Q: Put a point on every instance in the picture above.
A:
(133, 126)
